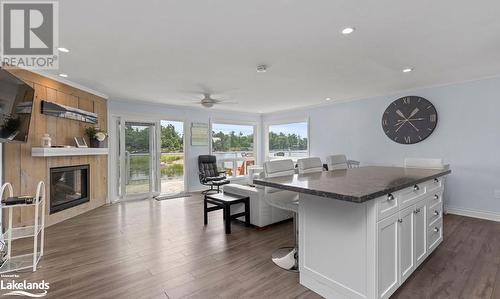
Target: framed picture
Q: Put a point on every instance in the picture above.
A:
(80, 142)
(199, 134)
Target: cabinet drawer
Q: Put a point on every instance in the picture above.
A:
(434, 234)
(434, 185)
(386, 206)
(434, 212)
(435, 197)
(409, 196)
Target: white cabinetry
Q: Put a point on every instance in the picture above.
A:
(411, 228)
(420, 232)
(388, 268)
(367, 250)
(406, 226)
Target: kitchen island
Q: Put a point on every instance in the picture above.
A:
(363, 231)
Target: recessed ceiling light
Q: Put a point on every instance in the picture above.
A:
(63, 50)
(63, 75)
(262, 68)
(407, 70)
(328, 99)
(348, 30)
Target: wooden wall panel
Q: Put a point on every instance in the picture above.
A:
(24, 171)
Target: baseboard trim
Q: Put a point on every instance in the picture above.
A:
(474, 213)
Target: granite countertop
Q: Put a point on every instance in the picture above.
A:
(355, 184)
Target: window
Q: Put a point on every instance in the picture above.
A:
(233, 145)
(288, 141)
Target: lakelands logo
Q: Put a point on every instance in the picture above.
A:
(24, 288)
(30, 33)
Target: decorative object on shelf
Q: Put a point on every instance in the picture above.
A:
(59, 110)
(199, 134)
(36, 231)
(409, 120)
(80, 142)
(96, 136)
(18, 200)
(46, 140)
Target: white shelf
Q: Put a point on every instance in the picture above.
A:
(62, 151)
(19, 262)
(25, 261)
(22, 232)
(21, 205)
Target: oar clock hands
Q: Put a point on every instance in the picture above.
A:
(409, 120)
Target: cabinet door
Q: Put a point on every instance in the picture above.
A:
(420, 232)
(387, 256)
(406, 223)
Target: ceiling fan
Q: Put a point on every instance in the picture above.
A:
(208, 101)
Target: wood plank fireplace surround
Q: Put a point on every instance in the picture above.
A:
(24, 170)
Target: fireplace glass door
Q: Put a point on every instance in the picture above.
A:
(69, 187)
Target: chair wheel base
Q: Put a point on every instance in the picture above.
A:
(286, 258)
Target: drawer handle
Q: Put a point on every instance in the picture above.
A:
(436, 229)
(436, 197)
(436, 180)
(400, 220)
(417, 211)
(436, 213)
(390, 197)
(416, 188)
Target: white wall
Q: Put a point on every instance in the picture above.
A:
(153, 112)
(467, 136)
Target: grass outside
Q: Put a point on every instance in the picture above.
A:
(171, 166)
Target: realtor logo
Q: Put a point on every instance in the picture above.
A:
(29, 34)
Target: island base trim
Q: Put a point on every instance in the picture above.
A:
(317, 282)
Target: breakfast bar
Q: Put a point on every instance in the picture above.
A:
(363, 231)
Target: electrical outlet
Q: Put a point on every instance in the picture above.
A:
(497, 193)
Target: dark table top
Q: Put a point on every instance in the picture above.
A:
(355, 184)
(226, 197)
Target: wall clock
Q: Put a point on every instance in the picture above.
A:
(409, 120)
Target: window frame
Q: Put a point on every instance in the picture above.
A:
(256, 143)
(286, 121)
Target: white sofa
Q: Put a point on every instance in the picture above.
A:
(261, 213)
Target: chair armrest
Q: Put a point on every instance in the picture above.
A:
(353, 162)
(215, 178)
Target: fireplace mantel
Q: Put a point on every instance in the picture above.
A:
(61, 151)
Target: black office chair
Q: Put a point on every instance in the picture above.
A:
(209, 174)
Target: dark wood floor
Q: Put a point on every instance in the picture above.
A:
(150, 249)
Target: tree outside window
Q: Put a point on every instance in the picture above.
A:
(233, 145)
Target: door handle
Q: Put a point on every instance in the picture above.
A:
(400, 220)
(436, 213)
(416, 188)
(390, 197)
(436, 229)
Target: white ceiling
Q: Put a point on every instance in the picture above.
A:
(160, 51)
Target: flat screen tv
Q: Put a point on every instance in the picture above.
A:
(16, 105)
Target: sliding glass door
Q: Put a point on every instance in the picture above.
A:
(150, 158)
(171, 157)
(137, 159)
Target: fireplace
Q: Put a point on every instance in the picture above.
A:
(69, 187)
